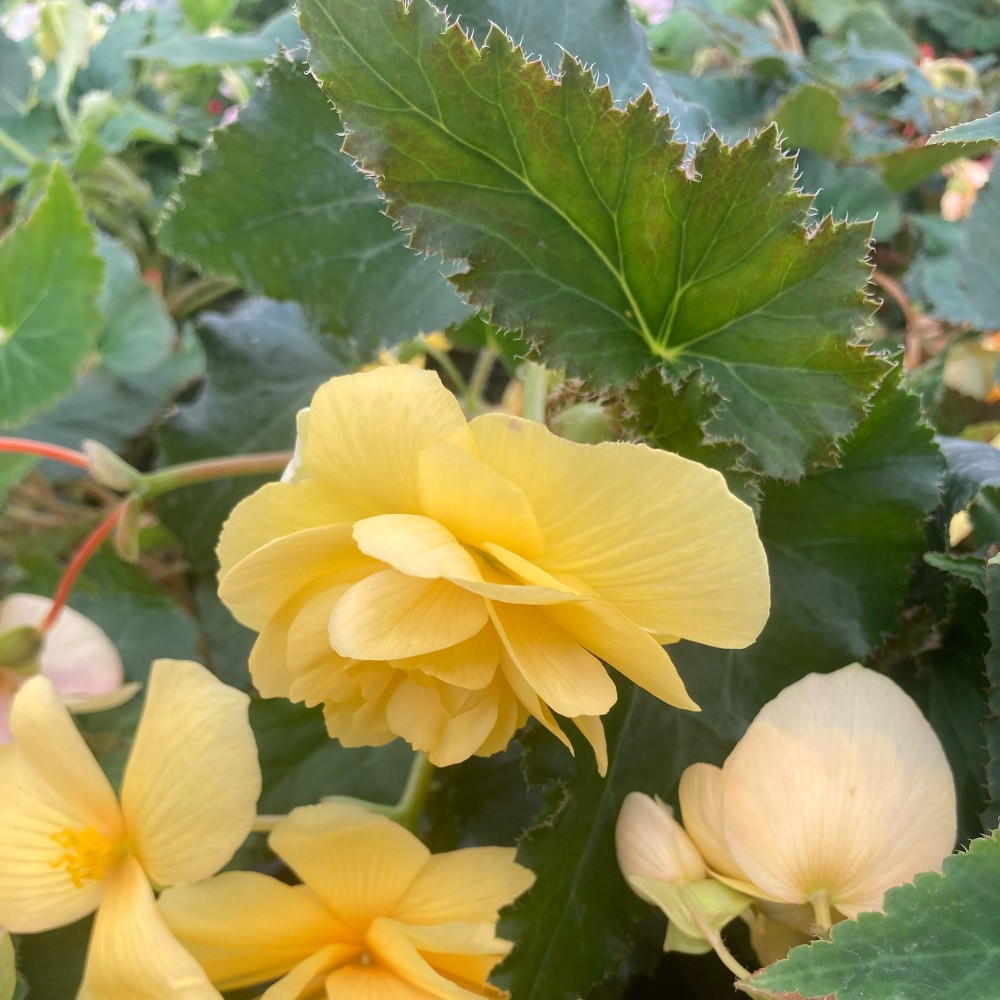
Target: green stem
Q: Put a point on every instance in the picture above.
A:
(16, 150)
(536, 392)
(477, 383)
(718, 946)
(441, 357)
(153, 484)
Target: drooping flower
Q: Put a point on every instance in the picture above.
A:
(67, 847)
(663, 867)
(74, 653)
(439, 580)
(838, 791)
(378, 915)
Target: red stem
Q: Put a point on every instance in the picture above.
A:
(80, 559)
(45, 450)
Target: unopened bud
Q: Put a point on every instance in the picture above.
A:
(108, 469)
(19, 649)
(585, 423)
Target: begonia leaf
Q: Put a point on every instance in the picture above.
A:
(579, 223)
(319, 237)
(50, 280)
(980, 129)
(938, 937)
(991, 818)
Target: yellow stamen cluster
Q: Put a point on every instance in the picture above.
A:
(87, 856)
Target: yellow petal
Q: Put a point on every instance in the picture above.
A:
(306, 980)
(77, 656)
(476, 503)
(36, 894)
(700, 795)
(365, 432)
(51, 746)
(471, 664)
(371, 982)
(258, 585)
(390, 616)
(415, 712)
(607, 633)
(838, 786)
(358, 863)
(465, 886)
(88, 704)
(527, 697)
(559, 670)
(132, 954)
(400, 947)
(191, 784)
(415, 545)
(771, 940)
(244, 928)
(511, 715)
(652, 844)
(277, 510)
(675, 552)
(592, 729)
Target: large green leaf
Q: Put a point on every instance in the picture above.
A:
(987, 128)
(264, 362)
(579, 223)
(319, 237)
(50, 278)
(938, 938)
(600, 33)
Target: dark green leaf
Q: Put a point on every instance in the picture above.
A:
(319, 237)
(52, 962)
(851, 193)
(264, 363)
(991, 818)
(938, 938)
(579, 224)
(906, 168)
(969, 568)
(15, 80)
(981, 129)
(8, 967)
(971, 465)
(50, 278)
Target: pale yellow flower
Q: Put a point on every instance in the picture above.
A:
(377, 918)
(75, 654)
(439, 580)
(664, 867)
(838, 791)
(67, 847)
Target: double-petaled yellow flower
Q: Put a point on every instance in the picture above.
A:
(68, 847)
(378, 916)
(438, 580)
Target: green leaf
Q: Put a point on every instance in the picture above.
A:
(982, 129)
(600, 33)
(32, 136)
(969, 568)
(319, 238)
(905, 169)
(811, 117)
(971, 466)
(15, 80)
(976, 279)
(52, 962)
(138, 332)
(50, 278)
(8, 967)
(264, 362)
(939, 937)
(199, 52)
(579, 224)
(991, 818)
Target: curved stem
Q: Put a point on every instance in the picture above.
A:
(75, 566)
(793, 43)
(418, 782)
(441, 357)
(43, 449)
(718, 946)
(153, 484)
(536, 392)
(477, 382)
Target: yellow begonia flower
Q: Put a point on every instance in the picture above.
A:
(75, 654)
(67, 847)
(838, 791)
(663, 866)
(378, 917)
(439, 580)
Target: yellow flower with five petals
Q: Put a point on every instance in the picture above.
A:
(438, 580)
(378, 916)
(68, 847)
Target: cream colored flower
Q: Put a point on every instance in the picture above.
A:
(67, 847)
(75, 654)
(439, 580)
(838, 791)
(377, 918)
(663, 867)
